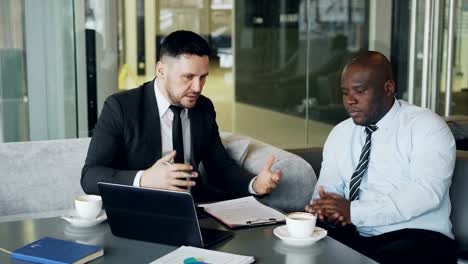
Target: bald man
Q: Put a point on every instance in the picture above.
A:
(384, 185)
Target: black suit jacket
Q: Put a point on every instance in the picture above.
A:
(127, 138)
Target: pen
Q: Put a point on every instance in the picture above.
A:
(261, 221)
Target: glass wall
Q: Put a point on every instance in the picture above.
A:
(459, 72)
(289, 56)
(431, 59)
(58, 62)
(37, 83)
(274, 71)
(425, 35)
(14, 107)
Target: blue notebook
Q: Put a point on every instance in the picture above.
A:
(57, 251)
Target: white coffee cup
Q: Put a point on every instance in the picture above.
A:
(300, 224)
(88, 206)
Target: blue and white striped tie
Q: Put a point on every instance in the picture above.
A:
(362, 165)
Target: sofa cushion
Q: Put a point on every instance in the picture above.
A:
(236, 146)
(40, 176)
(298, 178)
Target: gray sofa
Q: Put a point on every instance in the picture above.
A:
(41, 178)
(458, 194)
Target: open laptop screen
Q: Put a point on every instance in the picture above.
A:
(160, 216)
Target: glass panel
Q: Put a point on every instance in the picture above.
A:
(458, 118)
(271, 59)
(101, 54)
(459, 102)
(403, 44)
(213, 21)
(50, 57)
(14, 107)
(336, 31)
(37, 48)
(220, 87)
(275, 63)
(432, 25)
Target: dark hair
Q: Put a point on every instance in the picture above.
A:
(184, 42)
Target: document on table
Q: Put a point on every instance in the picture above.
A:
(197, 255)
(246, 211)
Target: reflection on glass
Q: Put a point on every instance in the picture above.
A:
(14, 106)
(299, 254)
(93, 235)
(289, 57)
(459, 105)
(283, 57)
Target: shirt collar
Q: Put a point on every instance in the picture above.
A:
(386, 120)
(163, 102)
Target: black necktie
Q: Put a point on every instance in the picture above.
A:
(362, 165)
(177, 140)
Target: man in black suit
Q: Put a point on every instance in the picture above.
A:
(156, 135)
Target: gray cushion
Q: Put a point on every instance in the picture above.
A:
(298, 179)
(40, 176)
(236, 146)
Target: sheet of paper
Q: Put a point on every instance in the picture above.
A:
(243, 211)
(197, 255)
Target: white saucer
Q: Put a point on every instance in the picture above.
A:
(75, 220)
(282, 233)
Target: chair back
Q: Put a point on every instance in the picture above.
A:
(40, 176)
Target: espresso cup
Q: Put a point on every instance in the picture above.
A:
(88, 206)
(300, 224)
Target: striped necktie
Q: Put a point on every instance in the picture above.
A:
(362, 165)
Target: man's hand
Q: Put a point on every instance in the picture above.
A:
(164, 175)
(331, 208)
(267, 180)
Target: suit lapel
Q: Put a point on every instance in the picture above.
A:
(196, 134)
(151, 122)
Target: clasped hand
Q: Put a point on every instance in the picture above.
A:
(331, 208)
(164, 175)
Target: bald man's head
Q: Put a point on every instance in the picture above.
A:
(368, 88)
(377, 63)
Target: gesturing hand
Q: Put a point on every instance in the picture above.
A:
(267, 180)
(163, 175)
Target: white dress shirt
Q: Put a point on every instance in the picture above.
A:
(166, 116)
(410, 171)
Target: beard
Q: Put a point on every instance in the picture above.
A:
(186, 100)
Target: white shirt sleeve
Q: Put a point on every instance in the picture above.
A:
(136, 181)
(431, 165)
(251, 190)
(330, 178)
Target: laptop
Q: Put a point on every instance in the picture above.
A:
(153, 215)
